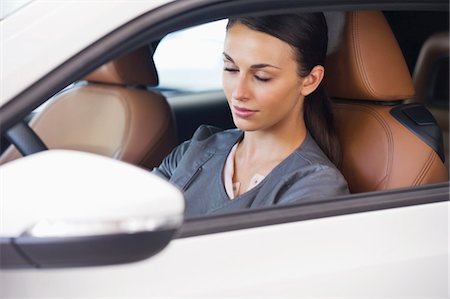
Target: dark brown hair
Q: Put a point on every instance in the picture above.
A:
(307, 34)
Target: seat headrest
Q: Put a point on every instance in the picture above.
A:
(134, 68)
(367, 63)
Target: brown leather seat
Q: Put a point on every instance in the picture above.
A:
(112, 114)
(367, 78)
(431, 81)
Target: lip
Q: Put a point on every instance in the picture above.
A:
(243, 112)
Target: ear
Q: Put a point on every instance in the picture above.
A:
(310, 82)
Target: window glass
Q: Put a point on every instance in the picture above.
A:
(191, 59)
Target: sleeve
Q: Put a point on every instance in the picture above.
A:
(171, 162)
(312, 185)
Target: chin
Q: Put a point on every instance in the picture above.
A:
(244, 125)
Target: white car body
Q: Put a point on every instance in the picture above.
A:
(383, 254)
(389, 253)
(55, 33)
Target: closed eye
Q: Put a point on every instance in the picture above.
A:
(262, 79)
(231, 70)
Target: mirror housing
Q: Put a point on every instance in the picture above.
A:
(63, 208)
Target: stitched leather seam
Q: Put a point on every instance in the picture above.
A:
(425, 169)
(358, 52)
(360, 63)
(388, 133)
(422, 174)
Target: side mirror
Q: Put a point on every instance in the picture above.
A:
(64, 208)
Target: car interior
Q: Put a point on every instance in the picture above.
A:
(111, 113)
(388, 136)
(381, 138)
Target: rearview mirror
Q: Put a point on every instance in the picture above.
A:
(64, 208)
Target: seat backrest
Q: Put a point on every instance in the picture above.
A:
(112, 113)
(368, 79)
(431, 81)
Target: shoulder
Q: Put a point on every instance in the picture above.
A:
(210, 136)
(311, 174)
(311, 154)
(204, 132)
(311, 183)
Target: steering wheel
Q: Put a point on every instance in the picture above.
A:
(25, 139)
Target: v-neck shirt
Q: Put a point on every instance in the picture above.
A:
(233, 188)
(197, 166)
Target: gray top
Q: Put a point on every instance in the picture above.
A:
(196, 167)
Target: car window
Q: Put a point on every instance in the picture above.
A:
(191, 60)
(195, 51)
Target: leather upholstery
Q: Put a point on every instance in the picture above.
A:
(134, 68)
(368, 63)
(115, 120)
(379, 153)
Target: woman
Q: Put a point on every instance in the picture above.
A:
(285, 145)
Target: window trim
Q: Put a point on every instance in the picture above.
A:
(336, 206)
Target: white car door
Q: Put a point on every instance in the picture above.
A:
(374, 254)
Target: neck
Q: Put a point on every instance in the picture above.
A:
(273, 144)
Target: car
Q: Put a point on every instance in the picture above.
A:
(81, 101)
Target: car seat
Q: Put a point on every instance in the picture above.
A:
(385, 143)
(111, 113)
(431, 81)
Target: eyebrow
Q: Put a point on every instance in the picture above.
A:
(254, 66)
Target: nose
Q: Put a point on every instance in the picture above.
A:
(240, 90)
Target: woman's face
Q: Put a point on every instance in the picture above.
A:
(260, 80)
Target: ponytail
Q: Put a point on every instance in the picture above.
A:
(319, 121)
